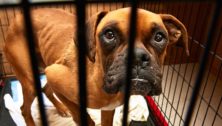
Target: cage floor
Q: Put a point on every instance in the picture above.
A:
(178, 83)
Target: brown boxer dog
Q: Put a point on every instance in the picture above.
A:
(107, 46)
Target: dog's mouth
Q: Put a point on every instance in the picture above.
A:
(145, 87)
(139, 86)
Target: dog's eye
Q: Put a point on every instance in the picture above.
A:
(159, 41)
(159, 37)
(109, 36)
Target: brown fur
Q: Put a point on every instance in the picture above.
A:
(54, 34)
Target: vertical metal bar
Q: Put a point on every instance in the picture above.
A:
(155, 6)
(14, 11)
(132, 35)
(6, 13)
(148, 5)
(203, 64)
(80, 10)
(2, 29)
(90, 9)
(34, 64)
(110, 6)
(117, 5)
(144, 4)
(97, 7)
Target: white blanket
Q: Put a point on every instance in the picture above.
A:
(138, 110)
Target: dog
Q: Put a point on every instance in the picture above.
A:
(106, 57)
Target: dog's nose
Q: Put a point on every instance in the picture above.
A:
(141, 56)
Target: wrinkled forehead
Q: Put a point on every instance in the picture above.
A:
(121, 18)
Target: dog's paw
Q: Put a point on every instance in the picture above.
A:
(64, 112)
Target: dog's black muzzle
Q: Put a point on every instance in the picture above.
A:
(146, 75)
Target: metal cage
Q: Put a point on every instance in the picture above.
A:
(191, 85)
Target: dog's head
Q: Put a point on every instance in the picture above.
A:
(108, 41)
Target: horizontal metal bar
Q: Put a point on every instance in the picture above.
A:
(8, 5)
(211, 52)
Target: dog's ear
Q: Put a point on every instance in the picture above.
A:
(91, 26)
(176, 30)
